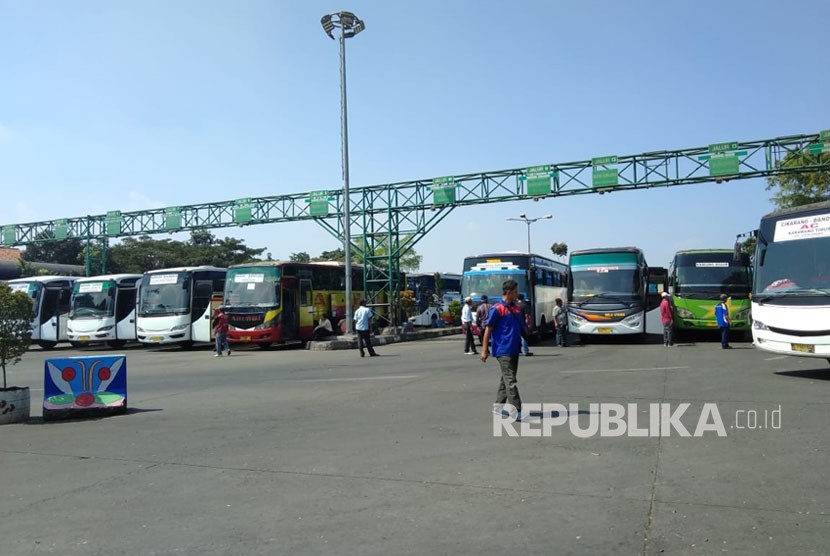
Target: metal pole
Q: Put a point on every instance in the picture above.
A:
(529, 222)
(347, 239)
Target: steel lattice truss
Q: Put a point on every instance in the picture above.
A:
(389, 219)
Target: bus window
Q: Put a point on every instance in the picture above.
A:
(202, 294)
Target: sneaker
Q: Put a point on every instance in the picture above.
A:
(498, 409)
(529, 353)
(217, 355)
(229, 352)
(374, 355)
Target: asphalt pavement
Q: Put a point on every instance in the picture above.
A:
(323, 452)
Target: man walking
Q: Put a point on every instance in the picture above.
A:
(221, 326)
(505, 329)
(667, 319)
(560, 320)
(481, 317)
(467, 325)
(722, 314)
(361, 326)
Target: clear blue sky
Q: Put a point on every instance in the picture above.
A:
(133, 105)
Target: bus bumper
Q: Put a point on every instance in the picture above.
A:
(266, 336)
(805, 346)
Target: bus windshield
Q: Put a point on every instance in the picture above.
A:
(252, 287)
(710, 279)
(488, 282)
(92, 299)
(797, 267)
(614, 284)
(165, 293)
(32, 289)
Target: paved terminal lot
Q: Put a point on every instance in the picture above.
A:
(299, 452)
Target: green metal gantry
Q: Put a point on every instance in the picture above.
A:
(389, 219)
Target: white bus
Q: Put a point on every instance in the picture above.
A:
(791, 287)
(103, 310)
(175, 305)
(51, 296)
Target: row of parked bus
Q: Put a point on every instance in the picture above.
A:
(266, 302)
(781, 295)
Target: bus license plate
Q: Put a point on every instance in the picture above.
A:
(604, 330)
(804, 348)
(244, 338)
(83, 338)
(156, 338)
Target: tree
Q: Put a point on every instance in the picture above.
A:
(559, 249)
(65, 251)
(801, 188)
(748, 245)
(301, 257)
(409, 261)
(15, 332)
(337, 255)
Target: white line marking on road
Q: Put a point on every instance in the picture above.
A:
(776, 358)
(625, 370)
(356, 378)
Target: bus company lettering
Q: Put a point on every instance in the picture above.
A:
(617, 315)
(246, 319)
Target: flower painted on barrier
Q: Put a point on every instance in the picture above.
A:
(85, 382)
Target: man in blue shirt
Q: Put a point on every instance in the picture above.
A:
(505, 330)
(722, 314)
(361, 326)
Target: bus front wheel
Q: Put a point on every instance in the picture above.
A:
(186, 344)
(116, 343)
(264, 345)
(47, 345)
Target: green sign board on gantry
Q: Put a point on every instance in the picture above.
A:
(242, 210)
(113, 223)
(604, 171)
(319, 203)
(443, 190)
(9, 234)
(538, 180)
(172, 218)
(61, 228)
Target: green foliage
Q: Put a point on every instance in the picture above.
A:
(407, 301)
(559, 249)
(748, 245)
(439, 286)
(138, 255)
(337, 255)
(301, 257)
(409, 260)
(455, 310)
(15, 332)
(65, 251)
(803, 188)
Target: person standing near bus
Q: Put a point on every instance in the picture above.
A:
(361, 326)
(467, 325)
(481, 317)
(506, 328)
(526, 315)
(560, 321)
(722, 314)
(221, 326)
(667, 318)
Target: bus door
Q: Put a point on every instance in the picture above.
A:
(290, 308)
(48, 314)
(658, 281)
(306, 313)
(201, 328)
(125, 313)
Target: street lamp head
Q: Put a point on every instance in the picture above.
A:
(522, 215)
(548, 216)
(350, 25)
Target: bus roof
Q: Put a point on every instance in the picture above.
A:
(607, 250)
(117, 278)
(702, 251)
(42, 279)
(185, 269)
(803, 208)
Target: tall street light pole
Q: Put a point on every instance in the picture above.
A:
(349, 26)
(523, 218)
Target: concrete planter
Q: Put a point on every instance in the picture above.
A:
(14, 405)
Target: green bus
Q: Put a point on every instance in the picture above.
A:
(698, 277)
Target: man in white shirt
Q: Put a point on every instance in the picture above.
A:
(361, 326)
(467, 325)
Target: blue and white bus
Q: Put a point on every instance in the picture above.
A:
(541, 281)
(610, 291)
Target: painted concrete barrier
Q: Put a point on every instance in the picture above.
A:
(80, 387)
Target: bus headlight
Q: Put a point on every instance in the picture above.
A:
(683, 313)
(577, 320)
(742, 315)
(105, 328)
(758, 325)
(179, 327)
(139, 329)
(632, 321)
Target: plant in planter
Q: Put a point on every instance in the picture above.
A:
(15, 337)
